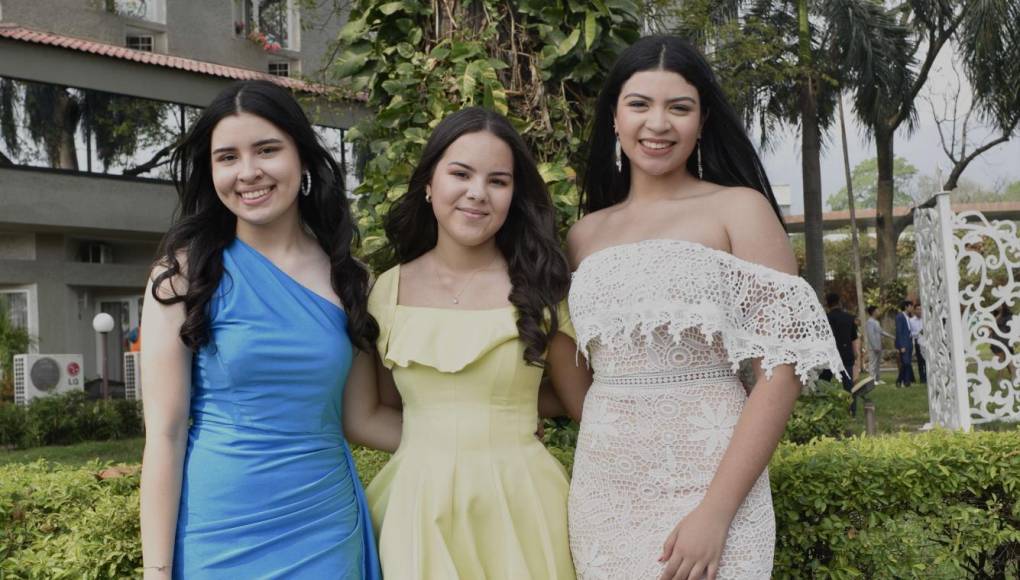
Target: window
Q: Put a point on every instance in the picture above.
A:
(281, 69)
(141, 42)
(274, 18)
(14, 304)
(151, 10)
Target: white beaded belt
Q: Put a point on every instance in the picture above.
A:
(697, 375)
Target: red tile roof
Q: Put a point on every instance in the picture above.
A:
(20, 33)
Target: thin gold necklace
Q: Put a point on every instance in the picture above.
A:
(471, 277)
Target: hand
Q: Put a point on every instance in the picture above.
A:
(540, 431)
(694, 547)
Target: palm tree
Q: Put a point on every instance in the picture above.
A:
(784, 62)
(985, 32)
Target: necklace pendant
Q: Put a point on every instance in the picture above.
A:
(455, 301)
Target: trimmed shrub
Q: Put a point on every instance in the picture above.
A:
(937, 505)
(12, 425)
(66, 419)
(67, 523)
(823, 411)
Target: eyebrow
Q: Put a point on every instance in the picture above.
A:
(673, 100)
(257, 144)
(469, 168)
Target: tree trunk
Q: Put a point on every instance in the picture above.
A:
(811, 170)
(811, 173)
(885, 221)
(66, 114)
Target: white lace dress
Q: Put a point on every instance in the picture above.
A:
(665, 324)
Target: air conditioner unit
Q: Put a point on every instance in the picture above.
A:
(38, 375)
(133, 376)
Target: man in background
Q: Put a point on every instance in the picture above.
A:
(848, 343)
(904, 345)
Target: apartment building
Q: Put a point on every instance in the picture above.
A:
(93, 95)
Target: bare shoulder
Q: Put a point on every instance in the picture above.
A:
(755, 232)
(582, 235)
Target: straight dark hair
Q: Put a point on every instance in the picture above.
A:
(538, 270)
(203, 226)
(728, 156)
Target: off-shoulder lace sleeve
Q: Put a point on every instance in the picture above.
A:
(757, 312)
(776, 317)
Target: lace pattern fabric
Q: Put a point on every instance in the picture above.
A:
(665, 324)
(741, 309)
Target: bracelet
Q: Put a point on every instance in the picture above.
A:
(156, 568)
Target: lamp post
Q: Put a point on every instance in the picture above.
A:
(103, 323)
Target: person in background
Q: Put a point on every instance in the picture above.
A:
(904, 345)
(848, 344)
(874, 333)
(917, 337)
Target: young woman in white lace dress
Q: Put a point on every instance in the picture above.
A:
(683, 270)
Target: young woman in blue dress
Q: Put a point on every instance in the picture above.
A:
(252, 315)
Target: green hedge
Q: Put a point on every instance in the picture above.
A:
(937, 505)
(934, 505)
(824, 411)
(66, 419)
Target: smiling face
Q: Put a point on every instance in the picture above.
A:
(658, 120)
(256, 170)
(471, 188)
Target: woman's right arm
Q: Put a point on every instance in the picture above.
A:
(166, 366)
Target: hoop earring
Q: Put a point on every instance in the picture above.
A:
(428, 197)
(619, 156)
(701, 170)
(306, 183)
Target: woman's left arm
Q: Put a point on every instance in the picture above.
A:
(695, 546)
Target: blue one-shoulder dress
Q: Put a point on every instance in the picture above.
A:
(270, 489)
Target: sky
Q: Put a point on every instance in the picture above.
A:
(921, 148)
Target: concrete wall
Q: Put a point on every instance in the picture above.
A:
(50, 200)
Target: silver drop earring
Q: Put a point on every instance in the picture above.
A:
(428, 197)
(306, 183)
(619, 156)
(701, 170)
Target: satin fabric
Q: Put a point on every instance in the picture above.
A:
(270, 488)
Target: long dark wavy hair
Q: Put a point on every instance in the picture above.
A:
(728, 156)
(203, 226)
(538, 269)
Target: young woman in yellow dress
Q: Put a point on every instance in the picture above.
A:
(469, 320)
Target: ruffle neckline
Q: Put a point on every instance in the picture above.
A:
(445, 339)
(719, 294)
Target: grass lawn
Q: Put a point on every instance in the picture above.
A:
(906, 409)
(122, 451)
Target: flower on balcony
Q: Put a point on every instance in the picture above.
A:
(267, 42)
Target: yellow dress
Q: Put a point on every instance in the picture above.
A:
(471, 493)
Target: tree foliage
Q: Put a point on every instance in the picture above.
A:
(538, 62)
(865, 180)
